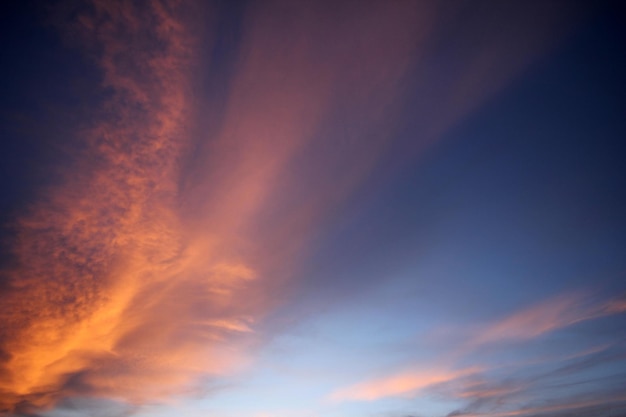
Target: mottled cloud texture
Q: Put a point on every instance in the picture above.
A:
(136, 277)
(101, 299)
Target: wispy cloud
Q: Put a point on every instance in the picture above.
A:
(402, 384)
(551, 315)
(145, 271)
(600, 407)
(521, 388)
(528, 390)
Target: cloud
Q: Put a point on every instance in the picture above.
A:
(551, 315)
(108, 296)
(583, 383)
(547, 386)
(603, 407)
(399, 385)
(528, 390)
(145, 271)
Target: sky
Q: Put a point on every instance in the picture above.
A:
(317, 208)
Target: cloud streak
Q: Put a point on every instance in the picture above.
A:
(145, 271)
(519, 388)
(403, 384)
(553, 314)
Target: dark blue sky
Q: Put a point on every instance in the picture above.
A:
(351, 209)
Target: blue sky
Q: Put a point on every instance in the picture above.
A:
(346, 209)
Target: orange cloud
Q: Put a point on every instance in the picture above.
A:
(104, 298)
(399, 385)
(553, 314)
(127, 285)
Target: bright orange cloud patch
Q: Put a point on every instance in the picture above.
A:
(127, 285)
(108, 296)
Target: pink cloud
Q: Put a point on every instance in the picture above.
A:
(127, 286)
(551, 315)
(399, 385)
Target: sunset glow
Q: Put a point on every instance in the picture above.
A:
(310, 208)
